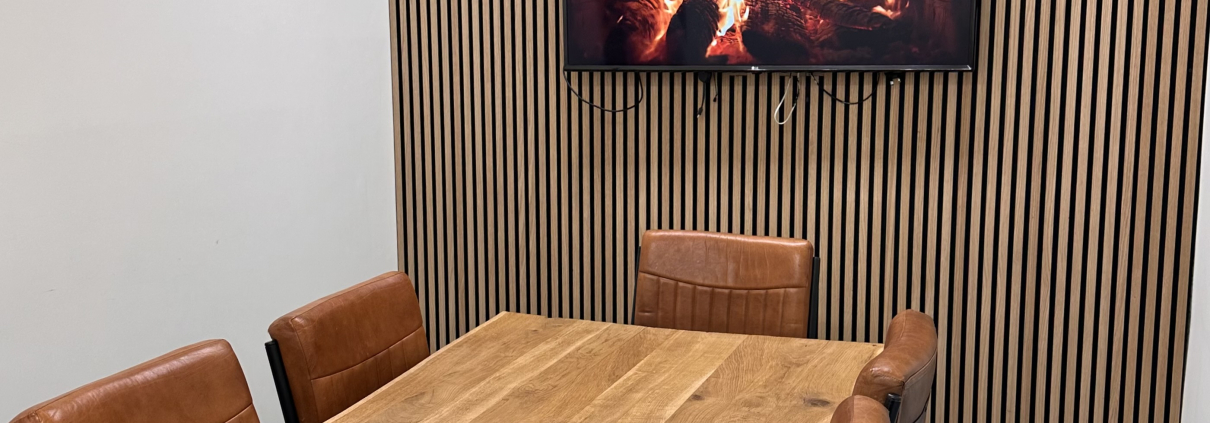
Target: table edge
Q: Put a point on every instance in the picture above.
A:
(508, 314)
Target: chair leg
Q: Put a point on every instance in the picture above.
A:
(893, 402)
(281, 382)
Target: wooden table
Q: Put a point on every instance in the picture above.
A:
(522, 368)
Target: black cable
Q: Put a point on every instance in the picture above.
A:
(701, 105)
(845, 102)
(638, 88)
(706, 94)
(718, 86)
(706, 79)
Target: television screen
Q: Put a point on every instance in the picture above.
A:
(741, 35)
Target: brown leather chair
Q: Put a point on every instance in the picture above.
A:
(860, 409)
(726, 283)
(201, 383)
(906, 366)
(340, 348)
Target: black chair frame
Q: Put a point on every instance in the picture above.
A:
(893, 402)
(284, 395)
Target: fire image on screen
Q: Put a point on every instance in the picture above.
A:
(822, 34)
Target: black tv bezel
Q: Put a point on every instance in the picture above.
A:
(975, 14)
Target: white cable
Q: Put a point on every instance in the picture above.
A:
(793, 107)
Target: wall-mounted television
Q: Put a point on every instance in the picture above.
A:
(769, 35)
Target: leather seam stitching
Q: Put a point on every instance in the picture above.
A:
(781, 313)
(914, 372)
(917, 371)
(311, 382)
(241, 412)
(693, 317)
(723, 287)
(388, 348)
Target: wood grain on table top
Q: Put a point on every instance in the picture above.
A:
(523, 368)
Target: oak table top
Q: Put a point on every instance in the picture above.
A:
(523, 368)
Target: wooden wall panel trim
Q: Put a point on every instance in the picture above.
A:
(397, 120)
(1040, 208)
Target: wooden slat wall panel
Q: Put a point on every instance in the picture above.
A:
(1040, 208)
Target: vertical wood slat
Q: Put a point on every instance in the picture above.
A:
(1039, 208)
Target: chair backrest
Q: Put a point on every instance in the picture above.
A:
(725, 283)
(860, 409)
(906, 366)
(342, 347)
(200, 383)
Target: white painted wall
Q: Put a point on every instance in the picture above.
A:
(1196, 403)
(173, 171)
